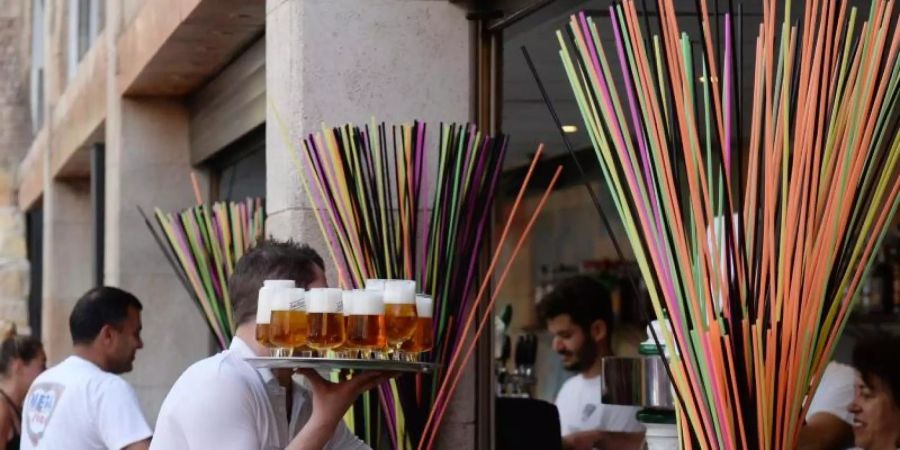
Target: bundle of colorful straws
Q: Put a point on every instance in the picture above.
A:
(389, 207)
(755, 308)
(203, 244)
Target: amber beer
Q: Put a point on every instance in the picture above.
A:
(423, 338)
(289, 324)
(264, 303)
(399, 311)
(346, 350)
(365, 325)
(325, 319)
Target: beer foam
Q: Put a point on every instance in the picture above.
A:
(267, 298)
(280, 284)
(348, 300)
(368, 303)
(281, 300)
(375, 284)
(264, 309)
(400, 292)
(324, 300)
(424, 306)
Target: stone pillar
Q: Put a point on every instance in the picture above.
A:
(14, 267)
(67, 260)
(148, 165)
(339, 61)
(15, 136)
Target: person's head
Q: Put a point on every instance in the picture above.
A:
(107, 322)
(22, 359)
(578, 313)
(876, 405)
(272, 260)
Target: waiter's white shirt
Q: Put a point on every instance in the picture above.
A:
(581, 409)
(224, 403)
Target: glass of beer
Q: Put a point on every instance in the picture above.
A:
(325, 319)
(399, 312)
(264, 303)
(289, 326)
(366, 329)
(423, 337)
(346, 350)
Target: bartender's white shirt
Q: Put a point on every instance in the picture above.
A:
(581, 409)
(835, 392)
(224, 403)
(77, 406)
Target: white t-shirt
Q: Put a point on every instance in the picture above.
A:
(581, 409)
(78, 406)
(835, 392)
(224, 403)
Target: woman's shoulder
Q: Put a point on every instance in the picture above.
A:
(6, 417)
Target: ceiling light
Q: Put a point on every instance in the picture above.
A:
(569, 128)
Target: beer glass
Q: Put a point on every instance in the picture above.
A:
(399, 311)
(289, 324)
(346, 350)
(264, 302)
(366, 326)
(325, 319)
(423, 337)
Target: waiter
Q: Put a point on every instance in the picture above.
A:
(224, 403)
(578, 313)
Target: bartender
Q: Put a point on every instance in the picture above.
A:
(578, 313)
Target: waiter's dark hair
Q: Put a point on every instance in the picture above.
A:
(100, 306)
(870, 359)
(269, 260)
(584, 298)
(16, 346)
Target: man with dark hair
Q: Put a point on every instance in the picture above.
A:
(222, 402)
(83, 403)
(578, 313)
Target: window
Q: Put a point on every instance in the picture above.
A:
(36, 96)
(34, 223)
(240, 169)
(85, 18)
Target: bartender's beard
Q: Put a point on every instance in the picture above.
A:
(584, 358)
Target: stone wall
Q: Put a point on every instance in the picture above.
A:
(15, 137)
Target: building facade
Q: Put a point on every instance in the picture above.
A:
(110, 105)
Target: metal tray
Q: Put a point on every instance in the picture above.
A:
(341, 364)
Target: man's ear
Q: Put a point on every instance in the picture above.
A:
(598, 330)
(106, 333)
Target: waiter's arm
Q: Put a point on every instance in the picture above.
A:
(330, 402)
(587, 440)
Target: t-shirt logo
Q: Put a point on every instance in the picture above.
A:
(41, 403)
(587, 411)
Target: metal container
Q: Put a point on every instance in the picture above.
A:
(637, 381)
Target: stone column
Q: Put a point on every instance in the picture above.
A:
(339, 61)
(67, 260)
(15, 136)
(148, 165)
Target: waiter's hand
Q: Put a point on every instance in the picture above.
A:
(587, 440)
(582, 440)
(330, 402)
